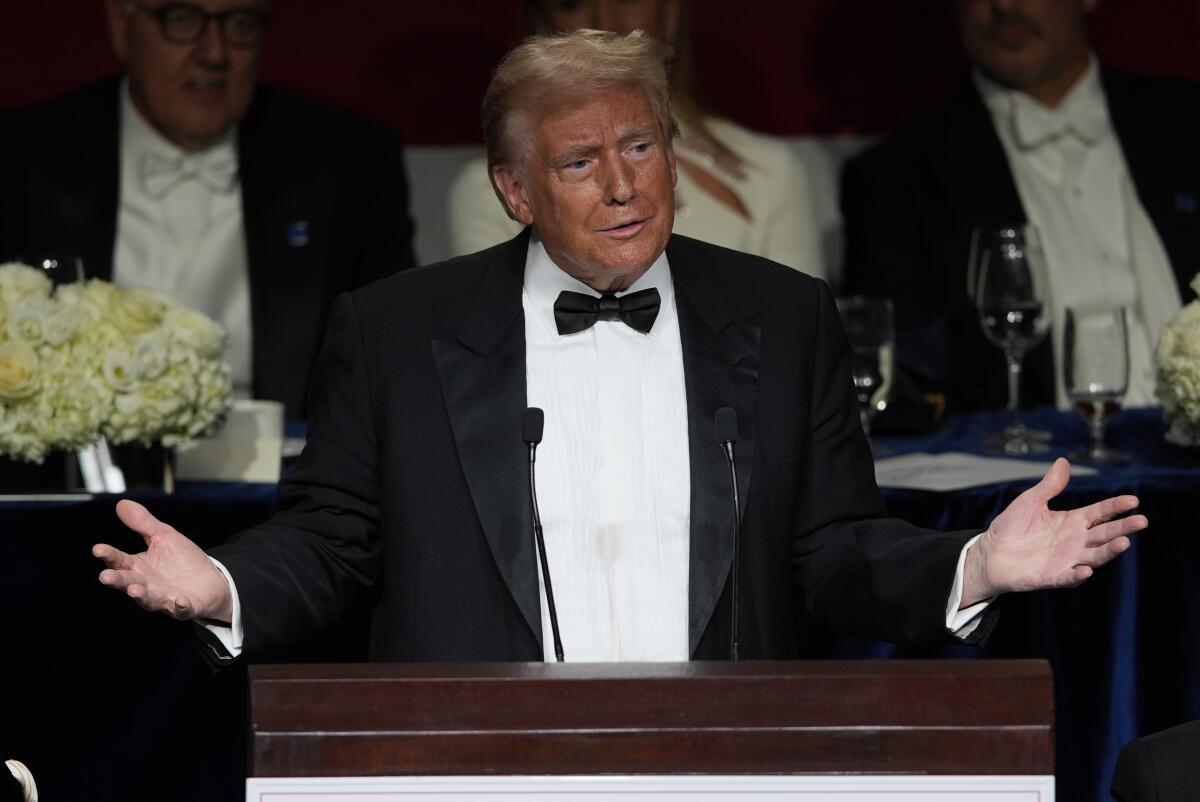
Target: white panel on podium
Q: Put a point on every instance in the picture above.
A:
(645, 788)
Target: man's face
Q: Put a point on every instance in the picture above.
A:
(658, 18)
(1024, 44)
(191, 93)
(598, 183)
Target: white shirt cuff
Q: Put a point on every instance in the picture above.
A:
(230, 637)
(960, 623)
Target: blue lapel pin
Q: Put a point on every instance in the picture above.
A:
(297, 234)
(1185, 202)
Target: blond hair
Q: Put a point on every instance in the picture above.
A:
(574, 63)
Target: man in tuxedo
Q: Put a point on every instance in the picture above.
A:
(414, 481)
(185, 176)
(1103, 163)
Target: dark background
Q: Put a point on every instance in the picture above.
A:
(108, 703)
(788, 67)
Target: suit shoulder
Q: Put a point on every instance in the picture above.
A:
(436, 289)
(962, 111)
(737, 271)
(276, 110)
(78, 109)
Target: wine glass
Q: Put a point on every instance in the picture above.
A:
(869, 327)
(1096, 372)
(1011, 298)
(59, 267)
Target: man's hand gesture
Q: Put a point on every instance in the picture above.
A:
(1030, 547)
(173, 575)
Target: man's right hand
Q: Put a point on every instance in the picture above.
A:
(173, 575)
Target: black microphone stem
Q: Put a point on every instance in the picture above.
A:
(737, 543)
(541, 547)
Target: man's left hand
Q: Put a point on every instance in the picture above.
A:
(1030, 546)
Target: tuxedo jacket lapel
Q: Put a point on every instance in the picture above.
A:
(1152, 141)
(720, 362)
(975, 167)
(482, 375)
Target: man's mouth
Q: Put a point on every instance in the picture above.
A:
(626, 229)
(1012, 32)
(205, 85)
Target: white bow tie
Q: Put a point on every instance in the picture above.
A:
(159, 174)
(1035, 125)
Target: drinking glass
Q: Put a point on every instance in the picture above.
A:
(1011, 298)
(58, 267)
(869, 327)
(1096, 372)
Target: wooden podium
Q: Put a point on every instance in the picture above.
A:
(944, 717)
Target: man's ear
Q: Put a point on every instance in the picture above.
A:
(118, 19)
(670, 150)
(511, 191)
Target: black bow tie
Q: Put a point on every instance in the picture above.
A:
(575, 312)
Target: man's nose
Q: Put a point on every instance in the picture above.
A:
(211, 47)
(619, 181)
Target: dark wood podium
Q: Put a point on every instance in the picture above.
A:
(910, 717)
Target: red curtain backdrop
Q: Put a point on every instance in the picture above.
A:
(781, 66)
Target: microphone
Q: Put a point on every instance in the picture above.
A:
(727, 435)
(531, 433)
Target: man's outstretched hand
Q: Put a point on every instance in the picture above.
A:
(1029, 546)
(173, 575)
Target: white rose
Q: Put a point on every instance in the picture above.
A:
(194, 331)
(97, 295)
(150, 356)
(61, 325)
(137, 310)
(18, 371)
(28, 321)
(119, 371)
(20, 281)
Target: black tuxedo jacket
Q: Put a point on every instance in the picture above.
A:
(1161, 767)
(341, 176)
(910, 204)
(414, 481)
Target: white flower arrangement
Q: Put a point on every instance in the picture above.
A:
(1177, 362)
(91, 359)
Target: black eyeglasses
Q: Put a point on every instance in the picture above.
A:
(184, 24)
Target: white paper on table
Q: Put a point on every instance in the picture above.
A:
(955, 470)
(247, 448)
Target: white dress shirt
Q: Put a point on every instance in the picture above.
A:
(180, 231)
(614, 479)
(614, 482)
(1101, 248)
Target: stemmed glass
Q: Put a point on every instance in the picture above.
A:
(1011, 297)
(58, 267)
(869, 327)
(1096, 372)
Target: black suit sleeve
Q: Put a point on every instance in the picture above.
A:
(296, 573)
(883, 578)
(1161, 767)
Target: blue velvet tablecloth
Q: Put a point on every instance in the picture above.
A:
(105, 702)
(1125, 647)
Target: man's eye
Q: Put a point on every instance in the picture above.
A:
(179, 16)
(578, 164)
(641, 147)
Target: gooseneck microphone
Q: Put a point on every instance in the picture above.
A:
(531, 433)
(727, 435)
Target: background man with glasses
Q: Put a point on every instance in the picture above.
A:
(185, 176)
